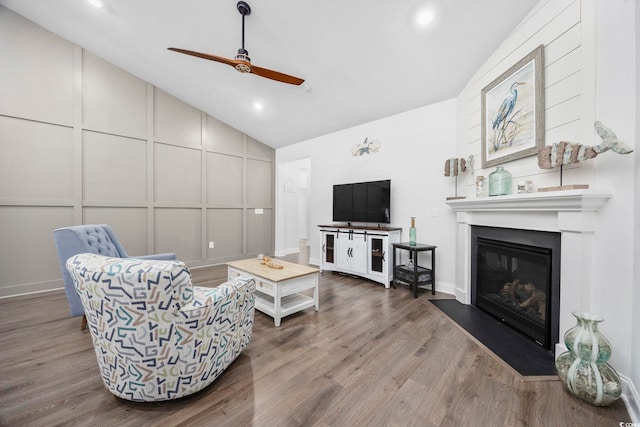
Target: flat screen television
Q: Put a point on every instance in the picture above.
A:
(362, 202)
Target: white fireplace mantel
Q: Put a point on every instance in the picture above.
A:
(573, 213)
(557, 201)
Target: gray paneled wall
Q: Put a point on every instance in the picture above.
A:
(82, 141)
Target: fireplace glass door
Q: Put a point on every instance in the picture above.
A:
(513, 284)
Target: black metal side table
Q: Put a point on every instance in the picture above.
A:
(415, 275)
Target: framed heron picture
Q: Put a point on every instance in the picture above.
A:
(513, 112)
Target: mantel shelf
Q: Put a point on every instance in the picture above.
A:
(556, 201)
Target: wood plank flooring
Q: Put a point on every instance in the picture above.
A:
(370, 357)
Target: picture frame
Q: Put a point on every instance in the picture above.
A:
(513, 112)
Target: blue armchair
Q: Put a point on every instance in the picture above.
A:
(95, 239)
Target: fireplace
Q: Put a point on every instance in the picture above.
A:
(515, 277)
(572, 213)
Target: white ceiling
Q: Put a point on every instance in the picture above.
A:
(362, 59)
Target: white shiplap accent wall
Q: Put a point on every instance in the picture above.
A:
(590, 61)
(556, 25)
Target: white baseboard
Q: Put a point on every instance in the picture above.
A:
(31, 288)
(461, 295)
(631, 398)
(445, 287)
(286, 252)
(29, 293)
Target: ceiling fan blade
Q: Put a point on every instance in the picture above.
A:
(242, 62)
(208, 56)
(275, 75)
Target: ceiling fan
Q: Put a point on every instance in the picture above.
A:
(242, 62)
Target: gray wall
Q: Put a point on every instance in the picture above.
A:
(82, 141)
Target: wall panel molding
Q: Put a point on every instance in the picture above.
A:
(129, 124)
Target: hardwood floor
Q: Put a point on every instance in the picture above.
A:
(369, 357)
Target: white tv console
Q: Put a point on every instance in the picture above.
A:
(358, 250)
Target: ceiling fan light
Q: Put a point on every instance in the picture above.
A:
(243, 68)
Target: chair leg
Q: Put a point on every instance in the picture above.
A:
(83, 326)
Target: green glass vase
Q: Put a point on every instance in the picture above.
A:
(499, 182)
(412, 232)
(583, 369)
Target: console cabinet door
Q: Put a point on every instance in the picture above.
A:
(329, 251)
(352, 252)
(377, 253)
(358, 261)
(343, 244)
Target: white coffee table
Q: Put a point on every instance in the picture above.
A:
(278, 290)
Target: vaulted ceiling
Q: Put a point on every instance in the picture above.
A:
(362, 59)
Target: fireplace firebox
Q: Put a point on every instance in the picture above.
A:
(515, 277)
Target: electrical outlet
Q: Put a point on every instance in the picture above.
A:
(211, 245)
(434, 212)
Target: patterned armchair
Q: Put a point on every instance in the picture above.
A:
(156, 336)
(95, 239)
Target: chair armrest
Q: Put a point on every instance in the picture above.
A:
(224, 315)
(158, 257)
(204, 296)
(214, 328)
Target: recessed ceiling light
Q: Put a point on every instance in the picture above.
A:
(96, 3)
(425, 17)
(258, 106)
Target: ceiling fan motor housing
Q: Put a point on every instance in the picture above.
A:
(243, 8)
(243, 55)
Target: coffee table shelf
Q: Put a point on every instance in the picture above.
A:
(278, 291)
(288, 305)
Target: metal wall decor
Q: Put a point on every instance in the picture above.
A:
(366, 147)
